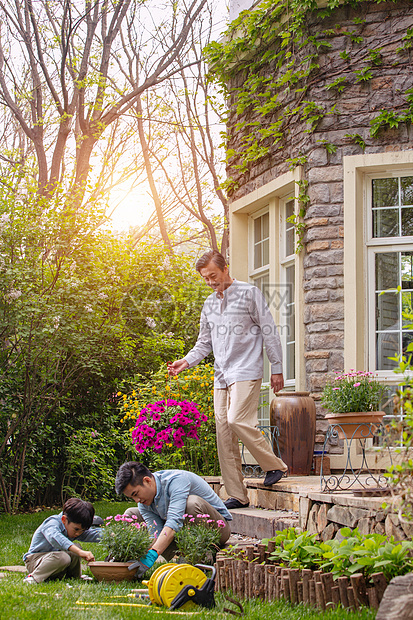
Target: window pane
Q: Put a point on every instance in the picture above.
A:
(387, 346)
(289, 228)
(386, 223)
(407, 270)
(263, 407)
(265, 252)
(265, 226)
(290, 365)
(263, 284)
(407, 305)
(385, 192)
(387, 271)
(407, 222)
(407, 338)
(387, 312)
(257, 230)
(257, 256)
(406, 186)
(290, 324)
(289, 241)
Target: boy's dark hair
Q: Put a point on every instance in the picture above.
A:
(214, 256)
(78, 511)
(130, 473)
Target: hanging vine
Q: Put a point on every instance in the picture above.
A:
(270, 60)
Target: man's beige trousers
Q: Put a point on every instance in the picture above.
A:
(236, 418)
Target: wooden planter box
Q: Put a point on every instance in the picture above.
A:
(254, 577)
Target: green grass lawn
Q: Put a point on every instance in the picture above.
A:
(83, 600)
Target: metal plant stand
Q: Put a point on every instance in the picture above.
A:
(271, 433)
(353, 477)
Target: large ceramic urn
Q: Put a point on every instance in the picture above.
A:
(294, 414)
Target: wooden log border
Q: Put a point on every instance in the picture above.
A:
(250, 578)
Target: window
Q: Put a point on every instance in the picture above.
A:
(262, 241)
(391, 268)
(259, 276)
(287, 265)
(258, 222)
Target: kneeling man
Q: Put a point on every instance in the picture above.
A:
(163, 498)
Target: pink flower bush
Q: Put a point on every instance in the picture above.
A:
(198, 539)
(166, 422)
(125, 539)
(353, 391)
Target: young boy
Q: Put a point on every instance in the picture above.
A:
(52, 553)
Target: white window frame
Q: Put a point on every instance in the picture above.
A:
(286, 261)
(359, 250)
(253, 275)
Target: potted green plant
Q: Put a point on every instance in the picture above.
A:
(353, 401)
(125, 540)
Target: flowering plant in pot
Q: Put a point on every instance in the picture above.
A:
(125, 540)
(354, 399)
(198, 540)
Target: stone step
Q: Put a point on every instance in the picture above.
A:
(258, 523)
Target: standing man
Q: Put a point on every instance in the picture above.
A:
(235, 323)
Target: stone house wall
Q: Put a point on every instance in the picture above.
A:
(356, 106)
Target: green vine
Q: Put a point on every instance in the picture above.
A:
(276, 35)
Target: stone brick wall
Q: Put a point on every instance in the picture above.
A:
(384, 27)
(326, 519)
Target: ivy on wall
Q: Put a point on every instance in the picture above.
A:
(268, 62)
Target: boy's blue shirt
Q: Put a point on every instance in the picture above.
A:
(51, 535)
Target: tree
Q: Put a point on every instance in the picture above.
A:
(69, 82)
(178, 124)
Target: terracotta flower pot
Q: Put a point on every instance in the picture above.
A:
(112, 571)
(355, 425)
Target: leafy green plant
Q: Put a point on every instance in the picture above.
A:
(338, 84)
(367, 554)
(363, 75)
(356, 137)
(387, 119)
(197, 540)
(353, 391)
(295, 549)
(350, 553)
(329, 147)
(125, 538)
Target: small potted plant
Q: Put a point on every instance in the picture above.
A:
(125, 540)
(353, 400)
(198, 540)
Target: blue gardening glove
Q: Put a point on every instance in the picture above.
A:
(149, 559)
